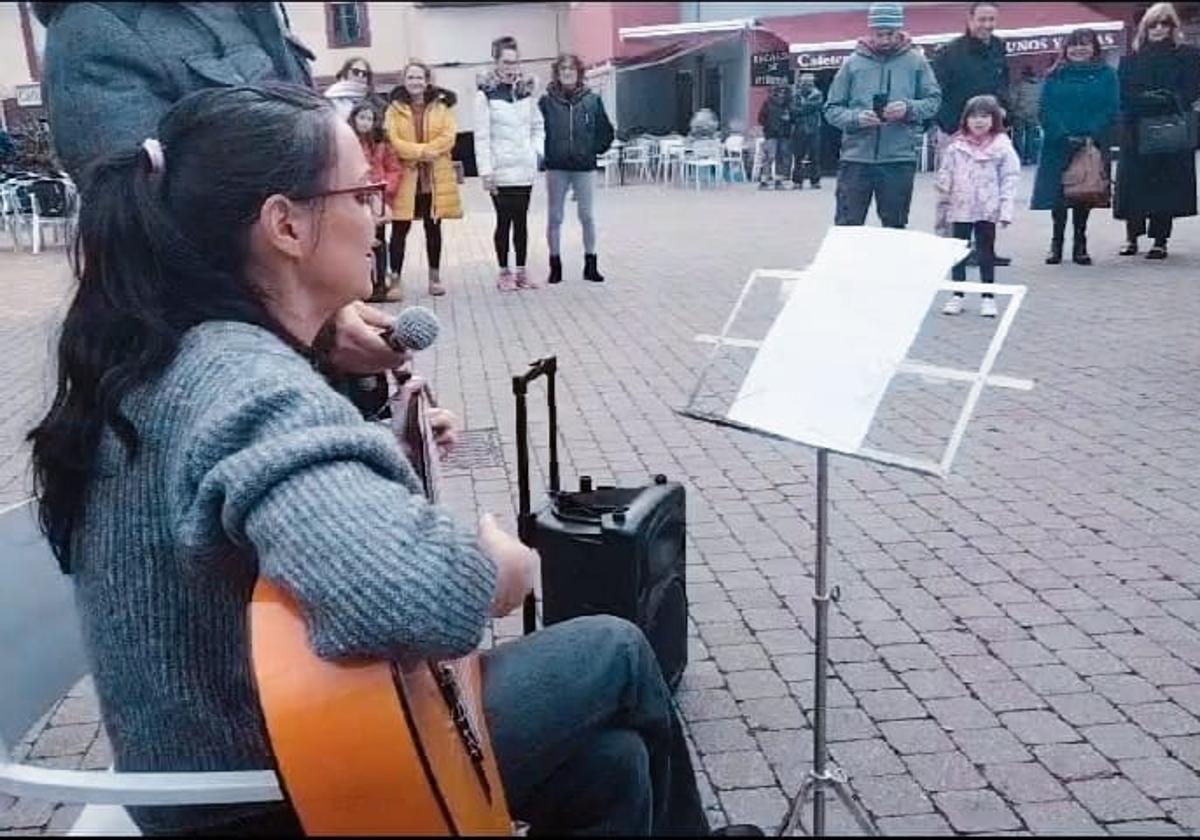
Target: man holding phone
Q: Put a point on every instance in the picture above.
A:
(881, 96)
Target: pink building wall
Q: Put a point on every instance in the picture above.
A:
(594, 27)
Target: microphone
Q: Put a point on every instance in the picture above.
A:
(415, 328)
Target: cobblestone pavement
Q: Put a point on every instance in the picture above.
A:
(1015, 649)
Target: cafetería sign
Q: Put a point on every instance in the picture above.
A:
(830, 57)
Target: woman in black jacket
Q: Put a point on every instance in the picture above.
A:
(1158, 77)
(577, 129)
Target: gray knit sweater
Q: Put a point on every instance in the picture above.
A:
(251, 465)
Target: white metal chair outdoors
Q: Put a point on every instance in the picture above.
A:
(47, 202)
(41, 658)
(759, 157)
(670, 160)
(734, 155)
(608, 162)
(636, 157)
(705, 155)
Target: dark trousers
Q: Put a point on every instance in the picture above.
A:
(891, 184)
(807, 145)
(423, 210)
(512, 214)
(1079, 222)
(985, 251)
(1159, 227)
(586, 738)
(381, 258)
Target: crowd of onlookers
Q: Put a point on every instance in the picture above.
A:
(408, 138)
(887, 94)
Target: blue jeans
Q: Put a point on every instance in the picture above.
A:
(585, 735)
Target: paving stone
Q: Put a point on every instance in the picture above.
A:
(1126, 689)
(990, 746)
(872, 757)
(26, 814)
(790, 754)
(1122, 740)
(764, 807)
(916, 736)
(927, 685)
(707, 704)
(1011, 696)
(753, 685)
(1161, 778)
(918, 825)
(1026, 782)
(1144, 828)
(944, 771)
(1185, 812)
(1062, 637)
(1038, 727)
(773, 713)
(717, 736)
(958, 713)
(978, 669)
(1186, 749)
(1091, 662)
(850, 725)
(1160, 719)
(904, 658)
(1074, 762)
(1024, 652)
(1114, 799)
(1059, 818)
(64, 740)
(746, 769)
(740, 657)
(976, 811)
(1051, 679)
(1085, 709)
(1165, 671)
(954, 643)
(895, 704)
(890, 796)
(866, 676)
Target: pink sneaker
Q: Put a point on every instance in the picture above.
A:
(523, 281)
(506, 282)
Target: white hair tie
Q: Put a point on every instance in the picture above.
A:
(154, 151)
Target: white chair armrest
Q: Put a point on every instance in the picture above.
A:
(108, 788)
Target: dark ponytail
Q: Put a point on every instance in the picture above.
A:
(159, 252)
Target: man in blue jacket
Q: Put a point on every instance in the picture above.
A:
(881, 96)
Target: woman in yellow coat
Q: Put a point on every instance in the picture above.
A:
(421, 128)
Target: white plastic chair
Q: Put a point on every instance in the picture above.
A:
(609, 161)
(9, 215)
(734, 155)
(47, 203)
(671, 155)
(705, 155)
(41, 658)
(636, 157)
(756, 166)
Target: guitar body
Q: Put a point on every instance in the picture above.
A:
(370, 747)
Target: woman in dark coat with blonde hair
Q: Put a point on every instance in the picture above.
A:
(1159, 76)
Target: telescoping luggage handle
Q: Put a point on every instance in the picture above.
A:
(525, 518)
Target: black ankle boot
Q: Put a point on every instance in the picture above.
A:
(590, 271)
(1055, 255)
(555, 270)
(1079, 253)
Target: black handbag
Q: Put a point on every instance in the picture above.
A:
(1168, 134)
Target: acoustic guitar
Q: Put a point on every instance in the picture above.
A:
(371, 747)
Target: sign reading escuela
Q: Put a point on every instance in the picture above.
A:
(770, 68)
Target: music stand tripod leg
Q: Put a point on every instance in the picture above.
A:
(821, 777)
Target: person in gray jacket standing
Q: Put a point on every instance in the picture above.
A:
(879, 99)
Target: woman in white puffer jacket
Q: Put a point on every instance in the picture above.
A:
(509, 138)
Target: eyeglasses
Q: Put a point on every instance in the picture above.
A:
(370, 195)
(358, 71)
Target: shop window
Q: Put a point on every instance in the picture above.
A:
(346, 25)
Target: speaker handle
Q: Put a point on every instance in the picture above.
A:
(547, 367)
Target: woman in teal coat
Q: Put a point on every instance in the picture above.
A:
(1080, 101)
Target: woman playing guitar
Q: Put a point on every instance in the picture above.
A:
(193, 451)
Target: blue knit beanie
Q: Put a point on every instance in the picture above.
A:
(885, 16)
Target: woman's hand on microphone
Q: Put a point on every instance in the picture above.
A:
(357, 345)
(516, 565)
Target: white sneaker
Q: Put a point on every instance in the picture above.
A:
(954, 306)
(988, 308)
